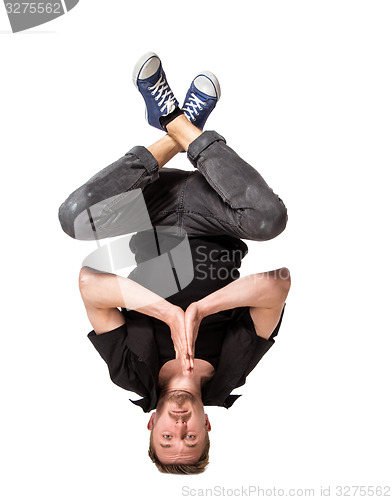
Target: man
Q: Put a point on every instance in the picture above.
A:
(194, 347)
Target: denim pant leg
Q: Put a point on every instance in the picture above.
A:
(246, 207)
(111, 202)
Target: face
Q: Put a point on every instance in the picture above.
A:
(179, 428)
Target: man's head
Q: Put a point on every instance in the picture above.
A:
(179, 442)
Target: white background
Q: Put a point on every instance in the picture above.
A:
(306, 99)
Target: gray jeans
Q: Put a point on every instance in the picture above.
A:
(223, 196)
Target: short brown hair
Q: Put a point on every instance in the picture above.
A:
(196, 468)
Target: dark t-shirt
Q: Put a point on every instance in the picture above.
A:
(131, 351)
(216, 261)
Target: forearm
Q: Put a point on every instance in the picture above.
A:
(106, 291)
(257, 290)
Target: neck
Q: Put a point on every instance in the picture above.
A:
(172, 378)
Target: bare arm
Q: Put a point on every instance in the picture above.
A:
(109, 291)
(263, 293)
(103, 293)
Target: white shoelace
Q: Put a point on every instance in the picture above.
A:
(165, 94)
(193, 105)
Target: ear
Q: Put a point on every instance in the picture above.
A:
(208, 425)
(150, 424)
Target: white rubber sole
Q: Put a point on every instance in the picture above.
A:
(139, 65)
(214, 81)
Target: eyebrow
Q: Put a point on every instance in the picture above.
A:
(187, 445)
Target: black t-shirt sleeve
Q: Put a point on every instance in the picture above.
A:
(262, 345)
(121, 361)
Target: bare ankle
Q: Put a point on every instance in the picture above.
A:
(164, 150)
(182, 131)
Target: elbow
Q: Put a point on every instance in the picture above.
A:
(284, 281)
(278, 283)
(86, 280)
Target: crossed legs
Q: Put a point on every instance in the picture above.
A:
(180, 134)
(102, 294)
(223, 196)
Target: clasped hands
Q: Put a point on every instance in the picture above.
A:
(184, 327)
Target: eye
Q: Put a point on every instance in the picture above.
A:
(190, 436)
(167, 436)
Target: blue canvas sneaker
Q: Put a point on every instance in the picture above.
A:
(201, 98)
(150, 79)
